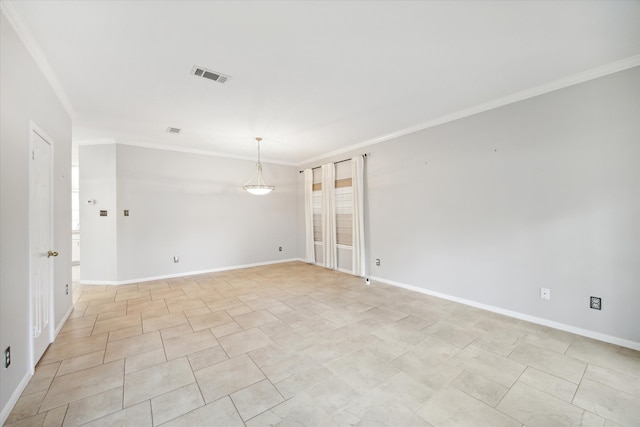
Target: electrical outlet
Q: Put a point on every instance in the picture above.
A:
(176, 259)
(378, 262)
(596, 303)
(279, 248)
(66, 289)
(7, 357)
(545, 293)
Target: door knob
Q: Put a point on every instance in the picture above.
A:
(52, 253)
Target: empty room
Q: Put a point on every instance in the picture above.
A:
(319, 213)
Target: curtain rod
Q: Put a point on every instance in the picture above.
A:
(335, 163)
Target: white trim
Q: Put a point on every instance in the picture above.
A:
(594, 73)
(187, 273)
(64, 319)
(35, 129)
(339, 246)
(533, 319)
(25, 380)
(14, 397)
(25, 34)
(341, 270)
(153, 146)
(99, 141)
(344, 270)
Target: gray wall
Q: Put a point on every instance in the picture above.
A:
(540, 193)
(188, 205)
(26, 95)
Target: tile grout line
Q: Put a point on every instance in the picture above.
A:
(326, 298)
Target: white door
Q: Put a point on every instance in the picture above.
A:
(40, 241)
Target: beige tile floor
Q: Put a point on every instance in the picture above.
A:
(294, 344)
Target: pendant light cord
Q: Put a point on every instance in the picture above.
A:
(258, 151)
(258, 139)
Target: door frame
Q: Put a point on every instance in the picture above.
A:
(50, 333)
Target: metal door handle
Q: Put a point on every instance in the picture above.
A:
(52, 253)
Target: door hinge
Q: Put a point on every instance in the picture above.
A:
(35, 331)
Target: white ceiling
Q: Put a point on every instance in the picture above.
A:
(311, 78)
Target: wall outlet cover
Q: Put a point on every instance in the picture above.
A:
(545, 293)
(596, 303)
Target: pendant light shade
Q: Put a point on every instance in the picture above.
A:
(257, 185)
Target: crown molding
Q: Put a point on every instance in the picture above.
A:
(153, 146)
(591, 74)
(25, 34)
(100, 141)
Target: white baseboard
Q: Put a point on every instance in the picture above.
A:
(341, 270)
(6, 410)
(64, 319)
(538, 320)
(183, 274)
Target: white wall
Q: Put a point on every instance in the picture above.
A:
(98, 185)
(188, 205)
(26, 95)
(540, 193)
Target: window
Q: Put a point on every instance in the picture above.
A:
(317, 216)
(344, 205)
(344, 214)
(317, 205)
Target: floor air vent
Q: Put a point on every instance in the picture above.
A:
(208, 74)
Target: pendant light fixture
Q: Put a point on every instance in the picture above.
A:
(257, 185)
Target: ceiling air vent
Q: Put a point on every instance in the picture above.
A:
(173, 130)
(208, 74)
